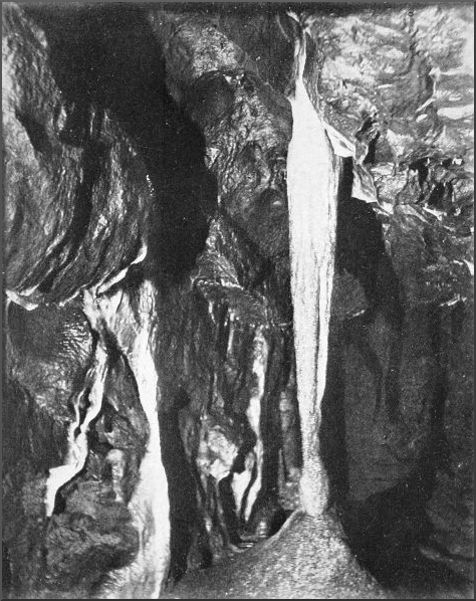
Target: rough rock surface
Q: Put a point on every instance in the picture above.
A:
(168, 127)
(76, 192)
(308, 555)
(77, 204)
(50, 351)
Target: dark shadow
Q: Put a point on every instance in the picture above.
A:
(387, 530)
(107, 56)
(355, 332)
(361, 251)
(182, 494)
(333, 430)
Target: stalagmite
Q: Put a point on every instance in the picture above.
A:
(312, 180)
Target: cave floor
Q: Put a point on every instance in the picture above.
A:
(306, 559)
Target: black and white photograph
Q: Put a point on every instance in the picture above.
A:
(238, 300)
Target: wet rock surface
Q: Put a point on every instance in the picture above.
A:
(159, 135)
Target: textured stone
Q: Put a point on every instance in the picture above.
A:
(95, 98)
(76, 191)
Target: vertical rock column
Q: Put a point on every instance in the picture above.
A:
(312, 201)
(128, 319)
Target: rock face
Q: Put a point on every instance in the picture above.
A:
(147, 252)
(78, 210)
(70, 174)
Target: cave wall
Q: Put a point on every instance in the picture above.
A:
(148, 144)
